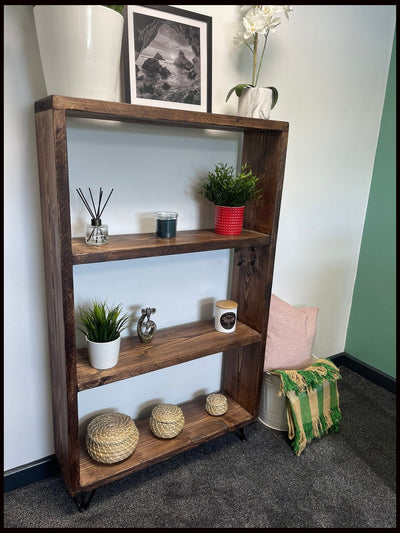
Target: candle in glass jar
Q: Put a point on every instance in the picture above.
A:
(166, 224)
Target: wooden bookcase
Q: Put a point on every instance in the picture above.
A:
(264, 149)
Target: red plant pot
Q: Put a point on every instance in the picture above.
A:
(228, 220)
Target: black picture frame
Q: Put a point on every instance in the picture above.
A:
(176, 47)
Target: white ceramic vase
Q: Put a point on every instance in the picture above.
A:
(80, 49)
(103, 355)
(255, 102)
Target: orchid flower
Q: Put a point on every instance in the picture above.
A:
(257, 22)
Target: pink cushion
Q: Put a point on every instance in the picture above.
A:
(290, 336)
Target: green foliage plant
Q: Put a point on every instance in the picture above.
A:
(102, 324)
(117, 8)
(225, 189)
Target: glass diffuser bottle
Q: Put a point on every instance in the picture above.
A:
(96, 232)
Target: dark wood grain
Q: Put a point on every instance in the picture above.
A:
(99, 109)
(252, 271)
(251, 280)
(169, 347)
(148, 245)
(199, 428)
(53, 171)
(264, 149)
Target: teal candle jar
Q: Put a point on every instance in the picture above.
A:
(166, 224)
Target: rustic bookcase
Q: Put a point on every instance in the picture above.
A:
(264, 149)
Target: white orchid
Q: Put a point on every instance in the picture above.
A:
(257, 22)
(254, 22)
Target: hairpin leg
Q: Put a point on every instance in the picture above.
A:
(83, 499)
(241, 433)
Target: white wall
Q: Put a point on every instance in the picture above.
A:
(330, 65)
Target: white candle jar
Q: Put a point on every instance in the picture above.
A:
(225, 316)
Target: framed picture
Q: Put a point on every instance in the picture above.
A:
(167, 57)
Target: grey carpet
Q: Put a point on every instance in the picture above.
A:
(343, 480)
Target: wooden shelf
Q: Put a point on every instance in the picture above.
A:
(264, 145)
(170, 346)
(199, 428)
(148, 245)
(100, 109)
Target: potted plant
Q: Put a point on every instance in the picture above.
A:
(80, 49)
(257, 21)
(230, 193)
(102, 327)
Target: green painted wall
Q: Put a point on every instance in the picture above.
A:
(371, 334)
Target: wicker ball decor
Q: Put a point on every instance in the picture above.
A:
(111, 437)
(216, 404)
(166, 420)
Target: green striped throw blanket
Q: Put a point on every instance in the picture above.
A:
(312, 400)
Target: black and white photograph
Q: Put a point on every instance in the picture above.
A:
(167, 58)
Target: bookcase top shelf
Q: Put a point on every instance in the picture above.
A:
(103, 110)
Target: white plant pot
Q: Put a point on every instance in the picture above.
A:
(255, 102)
(80, 49)
(103, 355)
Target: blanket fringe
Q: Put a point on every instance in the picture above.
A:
(326, 423)
(309, 378)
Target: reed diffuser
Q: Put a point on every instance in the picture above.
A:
(96, 232)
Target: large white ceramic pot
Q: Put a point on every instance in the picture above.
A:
(255, 102)
(80, 49)
(103, 355)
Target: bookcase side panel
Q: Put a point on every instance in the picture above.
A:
(53, 171)
(252, 272)
(265, 152)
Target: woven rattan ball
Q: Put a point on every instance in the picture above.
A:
(166, 420)
(111, 437)
(216, 404)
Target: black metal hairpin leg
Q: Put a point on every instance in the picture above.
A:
(241, 433)
(83, 499)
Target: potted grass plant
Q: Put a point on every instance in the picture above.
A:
(102, 327)
(230, 192)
